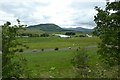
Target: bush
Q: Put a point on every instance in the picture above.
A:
(79, 61)
(82, 36)
(70, 33)
(42, 49)
(56, 49)
(21, 50)
(44, 35)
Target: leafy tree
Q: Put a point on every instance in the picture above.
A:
(108, 29)
(70, 33)
(12, 65)
(44, 35)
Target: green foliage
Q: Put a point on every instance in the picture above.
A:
(29, 35)
(108, 28)
(82, 35)
(70, 33)
(11, 68)
(79, 61)
(56, 49)
(0, 38)
(44, 35)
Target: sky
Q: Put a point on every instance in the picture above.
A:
(65, 13)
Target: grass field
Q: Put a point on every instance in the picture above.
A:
(55, 63)
(52, 42)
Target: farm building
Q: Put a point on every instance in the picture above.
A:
(62, 36)
(88, 35)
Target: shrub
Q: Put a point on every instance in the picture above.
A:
(79, 61)
(82, 36)
(56, 49)
(21, 50)
(42, 49)
(70, 33)
(44, 35)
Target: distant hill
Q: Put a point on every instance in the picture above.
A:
(55, 28)
(79, 29)
(47, 27)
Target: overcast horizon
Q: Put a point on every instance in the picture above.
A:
(65, 13)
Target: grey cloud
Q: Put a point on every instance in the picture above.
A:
(86, 5)
(82, 13)
(22, 10)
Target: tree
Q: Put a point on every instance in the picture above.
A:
(108, 29)
(12, 65)
(44, 35)
(70, 33)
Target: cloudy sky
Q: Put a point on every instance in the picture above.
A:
(65, 13)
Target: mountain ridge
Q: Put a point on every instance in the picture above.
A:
(80, 29)
(50, 27)
(47, 27)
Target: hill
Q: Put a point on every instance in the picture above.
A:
(47, 27)
(79, 29)
(55, 28)
(32, 31)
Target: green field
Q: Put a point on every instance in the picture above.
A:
(55, 63)
(52, 42)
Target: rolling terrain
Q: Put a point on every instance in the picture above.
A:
(55, 28)
(79, 29)
(47, 27)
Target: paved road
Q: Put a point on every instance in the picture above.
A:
(60, 49)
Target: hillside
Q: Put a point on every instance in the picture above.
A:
(32, 31)
(55, 28)
(47, 27)
(79, 29)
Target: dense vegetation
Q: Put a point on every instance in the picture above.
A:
(11, 68)
(108, 29)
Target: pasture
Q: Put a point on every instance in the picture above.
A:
(55, 64)
(52, 42)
